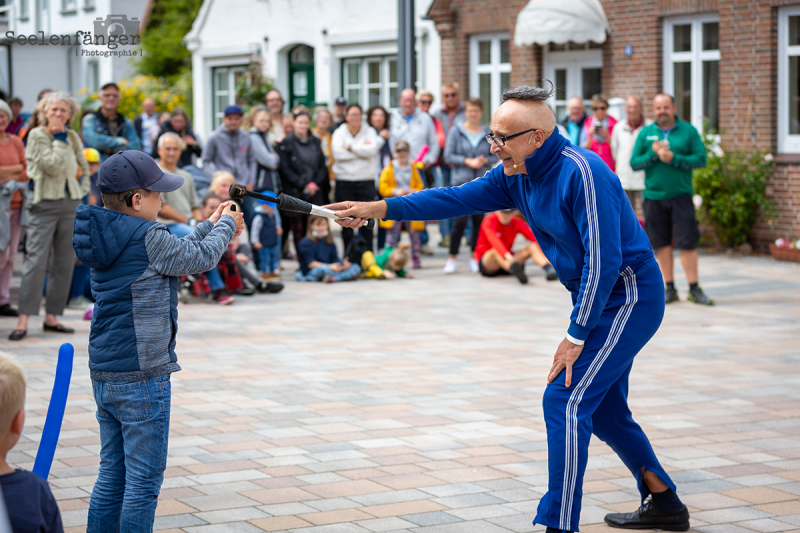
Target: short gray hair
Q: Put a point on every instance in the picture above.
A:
(169, 135)
(529, 93)
(61, 96)
(5, 109)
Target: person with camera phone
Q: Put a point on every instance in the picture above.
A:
(600, 127)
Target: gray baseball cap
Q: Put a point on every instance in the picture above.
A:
(132, 169)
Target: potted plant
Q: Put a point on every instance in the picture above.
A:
(786, 250)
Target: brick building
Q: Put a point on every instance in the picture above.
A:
(733, 62)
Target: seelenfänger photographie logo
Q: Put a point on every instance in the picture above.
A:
(110, 32)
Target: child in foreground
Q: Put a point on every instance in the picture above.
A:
(319, 260)
(135, 267)
(29, 502)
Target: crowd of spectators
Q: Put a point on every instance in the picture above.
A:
(320, 155)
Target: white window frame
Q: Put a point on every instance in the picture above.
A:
(787, 144)
(69, 6)
(495, 67)
(93, 75)
(217, 114)
(695, 57)
(571, 60)
(363, 86)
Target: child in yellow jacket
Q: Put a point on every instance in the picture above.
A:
(399, 178)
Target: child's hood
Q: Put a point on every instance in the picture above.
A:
(100, 235)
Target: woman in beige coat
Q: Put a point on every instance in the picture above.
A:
(61, 178)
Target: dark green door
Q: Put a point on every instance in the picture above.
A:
(301, 76)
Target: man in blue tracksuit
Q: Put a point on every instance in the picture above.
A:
(580, 215)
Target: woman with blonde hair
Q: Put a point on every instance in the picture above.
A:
(60, 175)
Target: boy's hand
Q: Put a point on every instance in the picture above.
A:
(257, 246)
(227, 208)
(279, 231)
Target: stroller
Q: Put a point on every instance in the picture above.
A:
(197, 284)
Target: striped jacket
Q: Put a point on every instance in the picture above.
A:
(576, 208)
(135, 266)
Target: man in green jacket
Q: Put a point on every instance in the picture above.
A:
(668, 150)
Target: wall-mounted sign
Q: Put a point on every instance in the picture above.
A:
(628, 50)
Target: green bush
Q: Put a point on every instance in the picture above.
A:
(733, 189)
(253, 86)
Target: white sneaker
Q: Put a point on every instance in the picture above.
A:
(473, 265)
(450, 266)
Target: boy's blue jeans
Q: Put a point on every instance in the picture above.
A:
(134, 428)
(268, 258)
(317, 273)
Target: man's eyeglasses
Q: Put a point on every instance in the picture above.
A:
(451, 95)
(501, 141)
(110, 95)
(600, 108)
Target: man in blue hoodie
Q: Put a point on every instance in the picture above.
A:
(135, 263)
(587, 229)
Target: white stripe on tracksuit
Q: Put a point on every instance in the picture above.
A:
(593, 279)
(571, 441)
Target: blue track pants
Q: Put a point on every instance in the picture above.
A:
(597, 400)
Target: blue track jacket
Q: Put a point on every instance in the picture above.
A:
(575, 206)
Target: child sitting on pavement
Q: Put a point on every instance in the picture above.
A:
(399, 178)
(28, 500)
(388, 265)
(135, 267)
(319, 260)
(265, 231)
(494, 255)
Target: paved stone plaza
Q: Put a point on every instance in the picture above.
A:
(415, 405)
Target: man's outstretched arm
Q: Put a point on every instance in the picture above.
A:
(482, 195)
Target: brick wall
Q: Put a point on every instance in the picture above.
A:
(748, 71)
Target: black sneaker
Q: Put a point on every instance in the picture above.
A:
(7, 310)
(550, 272)
(697, 296)
(648, 516)
(519, 271)
(671, 295)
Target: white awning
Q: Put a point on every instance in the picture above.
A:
(560, 21)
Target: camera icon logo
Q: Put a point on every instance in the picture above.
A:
(116, 26)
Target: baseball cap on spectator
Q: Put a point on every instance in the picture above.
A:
(91, 155)
(271, 205)
(233, 109)
(131, 169)
(341, 100)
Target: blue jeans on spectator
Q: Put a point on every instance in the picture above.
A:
(214, 278)
(317, 273)
(134, 428)
(269, 257)
(179, 230)
(443, 180)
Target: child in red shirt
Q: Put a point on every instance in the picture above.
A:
(496, 238)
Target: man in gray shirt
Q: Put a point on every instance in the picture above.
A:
(181, 210)
(415, 127)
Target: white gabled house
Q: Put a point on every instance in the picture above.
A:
(66, 62)
(314, 50)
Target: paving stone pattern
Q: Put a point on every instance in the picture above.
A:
(415, 405)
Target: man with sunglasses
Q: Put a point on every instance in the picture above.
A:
(587, 229)
(107, 131)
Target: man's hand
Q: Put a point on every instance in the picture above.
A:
(79, 172)
(257, 246)
(360, 212)
(565, 357)
(278, 231)
(666, 155)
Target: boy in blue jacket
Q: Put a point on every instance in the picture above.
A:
(135, 263)
(588, 230)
